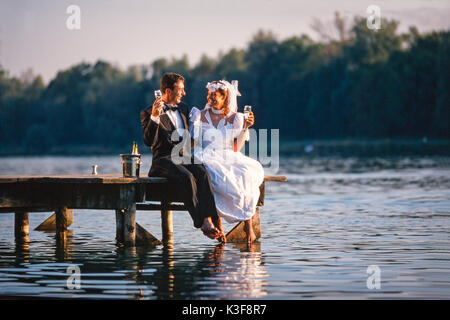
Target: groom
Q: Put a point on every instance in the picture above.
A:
(158, 122)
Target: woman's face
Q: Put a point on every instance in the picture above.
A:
(215, 99)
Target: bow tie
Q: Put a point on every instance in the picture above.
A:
(169, 107)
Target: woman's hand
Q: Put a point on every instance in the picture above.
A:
(250, 121)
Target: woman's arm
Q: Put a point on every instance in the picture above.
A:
(239, 141)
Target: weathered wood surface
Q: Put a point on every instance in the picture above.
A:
(129, 226)
(90, 191)
(50, 223)
(72, 195)
(237, 234)
(275, 178)
(89, 178)
(21, 226)
(166, 223)
(95, 179)
(143, 237)
(31, 193)
(63, 218)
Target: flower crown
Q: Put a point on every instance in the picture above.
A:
(215, 86)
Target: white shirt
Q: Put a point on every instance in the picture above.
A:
(174, 116)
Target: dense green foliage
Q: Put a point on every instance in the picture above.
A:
(363, 84)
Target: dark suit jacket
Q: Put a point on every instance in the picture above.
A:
(158, 136)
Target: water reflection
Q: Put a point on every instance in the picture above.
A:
(321, 230)
(221, 272)
(240, 274)
(64, 245)
(22, 252)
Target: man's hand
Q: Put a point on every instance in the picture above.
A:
(157, 107)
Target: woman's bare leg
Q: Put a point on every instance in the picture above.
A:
(248, 228)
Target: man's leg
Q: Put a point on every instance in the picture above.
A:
(186, 182)
(207, 205)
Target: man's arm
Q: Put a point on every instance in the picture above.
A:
(150, 122)
(149, 127)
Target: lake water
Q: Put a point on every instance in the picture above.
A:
(321, 231)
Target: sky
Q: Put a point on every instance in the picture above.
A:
(34, 33)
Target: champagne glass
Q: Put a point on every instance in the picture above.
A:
(247, 110)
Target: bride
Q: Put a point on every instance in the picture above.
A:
(219, 133)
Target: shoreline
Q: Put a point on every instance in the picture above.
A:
(317, 147)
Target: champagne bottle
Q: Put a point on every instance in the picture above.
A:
(133, 150)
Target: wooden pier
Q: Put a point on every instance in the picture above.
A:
(63, 193)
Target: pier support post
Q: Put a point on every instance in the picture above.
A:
(129, 226)
(142, 236)
(21, 226)
(64, 218)
(166, 223)
(119, 226)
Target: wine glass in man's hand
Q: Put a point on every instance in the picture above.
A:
(158, 104)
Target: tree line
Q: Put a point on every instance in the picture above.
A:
(352, 83)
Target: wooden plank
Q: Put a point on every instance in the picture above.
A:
(76, 196)
(27, 209)
(50, 223)
(158, 207)
(145, 238)
(102, 179)
(237, 234)
(275, 178)
(96, 179)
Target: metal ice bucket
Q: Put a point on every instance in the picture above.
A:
(131, 164)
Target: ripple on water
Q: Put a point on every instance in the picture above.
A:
(320, 232)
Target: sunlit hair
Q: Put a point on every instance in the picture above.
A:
(220, 87)
(169, 80)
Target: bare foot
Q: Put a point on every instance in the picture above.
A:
(248, 228)
(209, 229)
(218, 224)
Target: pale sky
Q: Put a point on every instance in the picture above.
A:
(33, 33)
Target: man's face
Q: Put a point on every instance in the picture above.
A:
(174, 96)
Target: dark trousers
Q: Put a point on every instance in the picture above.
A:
(195, 184)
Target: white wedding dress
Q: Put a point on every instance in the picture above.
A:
(235, 177)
